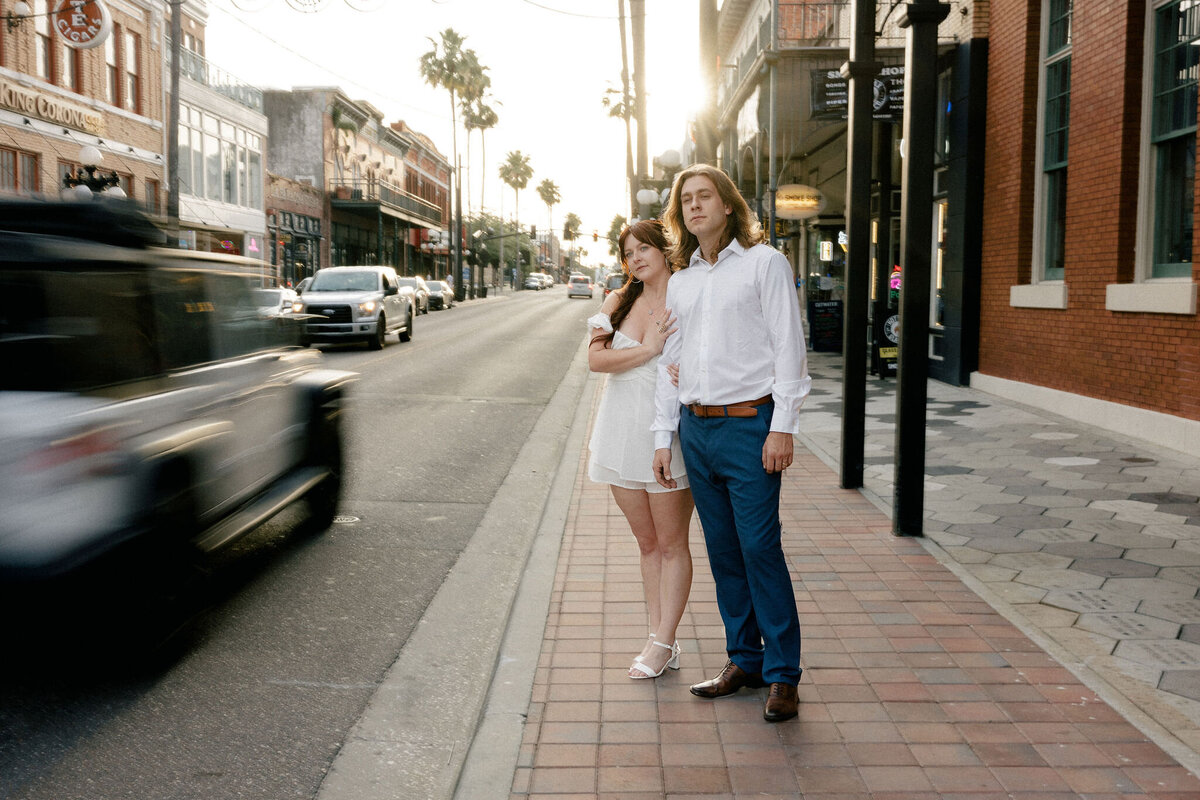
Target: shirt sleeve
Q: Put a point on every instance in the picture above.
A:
(781, 309)
(666, 393)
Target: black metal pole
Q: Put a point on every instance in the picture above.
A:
(916, 246)
(860, 70)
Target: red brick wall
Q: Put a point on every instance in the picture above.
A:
(1146, 360)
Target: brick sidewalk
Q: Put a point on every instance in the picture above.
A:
(913, 689)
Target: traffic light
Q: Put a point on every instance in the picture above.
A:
(533, 231)
(566, 233)
(595, 236)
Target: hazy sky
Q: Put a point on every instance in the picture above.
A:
(550, 62)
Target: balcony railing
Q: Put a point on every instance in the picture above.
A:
(366, 191)
(803, 25)
(195, 67)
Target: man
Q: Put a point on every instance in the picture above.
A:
(743, 374)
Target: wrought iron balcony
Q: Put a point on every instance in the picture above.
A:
(349, 191)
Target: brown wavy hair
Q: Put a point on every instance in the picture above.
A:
(648, 231)
(741, 224)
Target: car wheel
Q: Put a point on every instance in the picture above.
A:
(376, 340)
(325, 451)
(406, 334)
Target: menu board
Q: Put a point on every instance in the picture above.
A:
(825, 325)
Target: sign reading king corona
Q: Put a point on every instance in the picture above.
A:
(82, 24)
(47, 107)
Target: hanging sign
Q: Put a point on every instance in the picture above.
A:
(830, 97)
(797, 201)
(82, 24)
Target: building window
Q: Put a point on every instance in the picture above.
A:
(112, 68)
(69, 65)
(43, 47)
(1176, 63)
(153, 196)
(1056, 124)
(18, 172)
(132, 99)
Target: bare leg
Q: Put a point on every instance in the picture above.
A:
(659, 522)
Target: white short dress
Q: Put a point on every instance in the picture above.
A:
(622, 446)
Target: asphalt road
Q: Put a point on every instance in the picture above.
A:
(292, 633)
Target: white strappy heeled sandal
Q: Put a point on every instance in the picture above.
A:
(647, 672)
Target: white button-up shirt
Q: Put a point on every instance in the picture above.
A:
(740, 338)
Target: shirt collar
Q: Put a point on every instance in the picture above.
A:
(734, 246)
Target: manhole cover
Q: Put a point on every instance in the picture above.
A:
(344, 520)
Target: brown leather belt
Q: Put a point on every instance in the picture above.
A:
(745, 409)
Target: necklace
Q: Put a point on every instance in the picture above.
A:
(655, 309)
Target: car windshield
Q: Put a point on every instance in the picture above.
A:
(579, 280)
(362, 281)
(436, 286)
(409, 282)
(616, 281)
(267, 297)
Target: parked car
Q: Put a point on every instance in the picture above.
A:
(440, 294)
(613, 282)
(147, 410)
(420, 289)
(532, 281)
(274, 302)
(347, 304)
(579, 286)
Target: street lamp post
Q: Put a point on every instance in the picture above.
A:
(88, 181)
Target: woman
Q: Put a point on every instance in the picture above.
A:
(627, 338)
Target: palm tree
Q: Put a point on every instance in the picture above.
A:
(451, 67)
(516, 172)
(571, 232)
(614, 235)
(479, 117)
(618, 107)
(548, 191)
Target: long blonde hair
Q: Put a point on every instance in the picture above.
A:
(740, 224)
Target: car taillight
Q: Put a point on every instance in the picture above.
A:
(98, 445)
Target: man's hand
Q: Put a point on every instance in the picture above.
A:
(662, 469)
(776, 455)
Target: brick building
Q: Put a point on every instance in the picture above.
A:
(56, 99)
(1088, 285)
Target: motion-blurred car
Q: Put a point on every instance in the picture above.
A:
(420, 289)
(440, 294)
(147, 410)
(579, 286)
(274, 302)
(613, 282)
(347, 304)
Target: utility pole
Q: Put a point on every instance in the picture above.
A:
(706, 121)
(916, 210)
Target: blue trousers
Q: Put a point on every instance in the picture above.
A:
(738, 504)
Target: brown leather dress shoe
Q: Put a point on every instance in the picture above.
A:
(781, 703)
(731, 678)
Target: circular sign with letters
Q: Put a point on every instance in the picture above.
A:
(82, 24)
